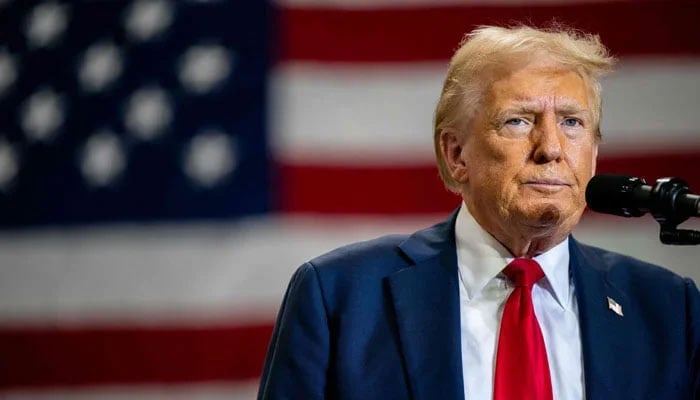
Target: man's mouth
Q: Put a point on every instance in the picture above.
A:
(549, 181)
(547, 185)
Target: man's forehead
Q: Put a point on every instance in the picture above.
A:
(545, 101)
(570, 92)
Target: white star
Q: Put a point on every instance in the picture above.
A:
(42, 114)
(45, 24)
(9, 164)
(148, 113)
(8, 71)
(147, 18)
(210, 157)
(203, 67)
(103, 158)
(101, 64)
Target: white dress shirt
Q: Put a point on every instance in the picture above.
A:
(483, 292)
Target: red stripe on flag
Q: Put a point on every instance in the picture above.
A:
(69, 357)
(410, 190)
(369, 190)
(432, 33)
(682, 165)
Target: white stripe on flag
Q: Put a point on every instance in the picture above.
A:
(201, 274)
(341, 114)
(161, 274)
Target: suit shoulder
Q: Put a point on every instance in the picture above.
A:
(625, 267)
(354, 274)
(380, 254)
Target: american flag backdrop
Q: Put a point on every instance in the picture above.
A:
(166, 165)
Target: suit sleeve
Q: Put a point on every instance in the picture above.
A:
(693, 299)
(297, 360)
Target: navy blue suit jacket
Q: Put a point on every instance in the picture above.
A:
(380, 320)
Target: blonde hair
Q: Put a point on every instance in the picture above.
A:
(491, 46)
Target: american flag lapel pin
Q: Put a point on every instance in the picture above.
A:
(616, 308)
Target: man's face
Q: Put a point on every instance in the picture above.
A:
(530, 151)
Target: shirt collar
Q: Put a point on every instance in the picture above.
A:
(481, 258)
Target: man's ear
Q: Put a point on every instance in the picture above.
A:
(452, 147)
(595, 158)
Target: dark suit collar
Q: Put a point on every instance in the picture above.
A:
(605, 335)
(426, 301)
(432, 241)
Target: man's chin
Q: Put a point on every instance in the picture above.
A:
(550, 217)
(547, 215)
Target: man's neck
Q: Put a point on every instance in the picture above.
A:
(523, 240)
(529, 247)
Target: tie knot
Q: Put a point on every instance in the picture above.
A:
(523, 272)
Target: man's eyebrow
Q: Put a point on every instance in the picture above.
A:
(564, 106)
(528, 106)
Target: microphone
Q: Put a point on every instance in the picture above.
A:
(669, 200)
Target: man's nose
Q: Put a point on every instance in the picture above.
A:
(547, 139)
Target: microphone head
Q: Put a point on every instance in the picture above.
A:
(615, 194)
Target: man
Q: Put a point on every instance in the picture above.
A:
(498, 302)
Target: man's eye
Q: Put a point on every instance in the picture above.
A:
(572, 122)
(514, 121)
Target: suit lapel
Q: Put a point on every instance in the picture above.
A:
(426, 301)
(605, 335)
(425, 297)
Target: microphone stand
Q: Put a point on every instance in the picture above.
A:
(664, 193)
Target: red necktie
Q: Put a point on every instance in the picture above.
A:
(522, 370)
